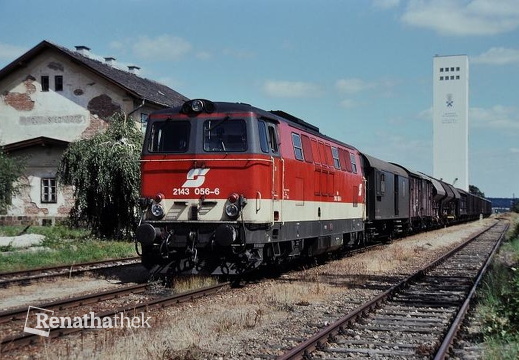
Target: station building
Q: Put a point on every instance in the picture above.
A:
(51, 96)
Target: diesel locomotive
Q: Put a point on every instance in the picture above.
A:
(228, 187)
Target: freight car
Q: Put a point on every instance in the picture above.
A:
(227, 187)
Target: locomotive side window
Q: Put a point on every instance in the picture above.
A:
(169, 136)
(225, 135)
(335, 155)
(345, 159)
(263, 136)
(273, 141)
(307, 149)
(353, 163)
(298, 146)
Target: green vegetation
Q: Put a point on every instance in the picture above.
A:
(105, 173)
(10, 170)
(499, 304)
(62, 246)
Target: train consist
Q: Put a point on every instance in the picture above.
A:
(227, 187)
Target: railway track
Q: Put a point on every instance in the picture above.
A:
(20, 340)
(28, 276)
(418, 318)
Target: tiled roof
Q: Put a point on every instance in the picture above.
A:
(142, 88)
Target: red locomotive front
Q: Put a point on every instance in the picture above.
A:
(219, 192)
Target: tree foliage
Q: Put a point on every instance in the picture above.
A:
(10, 170)
(474, 190)
(105, 173)
(515, 206)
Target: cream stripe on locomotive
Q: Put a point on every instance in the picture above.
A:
(264, 210)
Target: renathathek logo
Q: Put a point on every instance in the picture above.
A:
(40, 321)
(195, 177)
(32, 325)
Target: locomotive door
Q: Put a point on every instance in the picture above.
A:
(277, 172)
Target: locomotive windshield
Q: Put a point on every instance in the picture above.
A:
(225, 135)
(169, 136)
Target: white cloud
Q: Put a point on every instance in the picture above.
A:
(163, 47)
(353, 85)
(497, 56)
(204, 55)
(348, 103)
(291, 89)
(385, 4)
(498, 117)
(10, 52)
(462, 17)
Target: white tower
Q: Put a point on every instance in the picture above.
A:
(450, 120)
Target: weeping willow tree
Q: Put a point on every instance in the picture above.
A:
(10, 170)
(105, 173)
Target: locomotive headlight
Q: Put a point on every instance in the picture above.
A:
(197, 105)
(232, 211)
(157, 210)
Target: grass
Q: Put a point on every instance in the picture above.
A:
(498, 307)
(61, 246)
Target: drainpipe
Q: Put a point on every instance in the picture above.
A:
(134, 110)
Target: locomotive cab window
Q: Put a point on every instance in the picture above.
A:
(169, 136)
(273, 139)
(263, 136)
(298, 147)
(225, 135)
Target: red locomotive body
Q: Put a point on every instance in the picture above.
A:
(228, 187)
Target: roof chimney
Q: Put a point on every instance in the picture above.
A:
(83, 50)
(110, 61)
(134, 69)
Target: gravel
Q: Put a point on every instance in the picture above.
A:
(263, 319)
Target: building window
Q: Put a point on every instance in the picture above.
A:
(458, 68)
(298, 147)
(452, 77)
(452, 69)
(58, 83)
(447, 69)
(44, 83)
(457, 77)
(48, 190)
(441, 77)
(441, 69)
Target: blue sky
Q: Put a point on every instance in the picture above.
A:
(361, 70)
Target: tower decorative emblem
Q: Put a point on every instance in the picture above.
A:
(449, 101)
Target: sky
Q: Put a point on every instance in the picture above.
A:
(360, 70)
